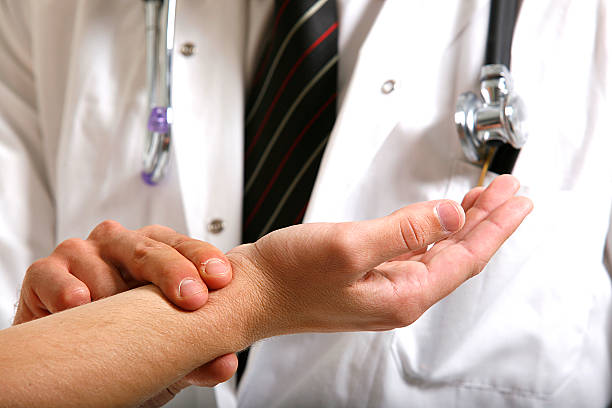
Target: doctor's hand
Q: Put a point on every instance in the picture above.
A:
(377, 274)
(114, 259)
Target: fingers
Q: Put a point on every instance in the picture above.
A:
(23, 314)
(467, 257)
(113, 259)
(153, 261)
(364, 245)
(49, 288)
(29, 307)
(471, 197)
(61, 290)
(210, 374)
(211, 262)
(81, 260)
(498, 192)
(214, 372)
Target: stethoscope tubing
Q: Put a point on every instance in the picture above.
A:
(160, 18)
(502, 22)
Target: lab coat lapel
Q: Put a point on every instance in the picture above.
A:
(208, 99)
(391, 73)
(188, 144)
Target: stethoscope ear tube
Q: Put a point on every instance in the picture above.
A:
(502, 20)
(160, 19)
(498, 51)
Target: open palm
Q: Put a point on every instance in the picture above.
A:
(380, 274)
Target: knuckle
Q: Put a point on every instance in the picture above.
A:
(40, 273)
(155, 228)
(196, 250)
(183, 242)
(71, 246)
(70, 297)
(163, 228)
(343, 247)
(413, 233)
(104, 229)
(36, 268)
(166, 235)
(177, 268)
(169, 269)
(158, 262)
(145, 250)
(477, 264)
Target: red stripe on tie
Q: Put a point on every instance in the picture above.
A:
(284, 85)
(264, 60)
(286, 159)
(300, 216)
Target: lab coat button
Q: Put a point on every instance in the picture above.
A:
(215, 226)
(188, 49)
(388, 86)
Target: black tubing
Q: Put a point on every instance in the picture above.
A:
(504, 159)
(502, 20)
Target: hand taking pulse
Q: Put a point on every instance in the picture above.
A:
(368, 275)
(112, 260)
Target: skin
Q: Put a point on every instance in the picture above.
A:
(370, 275)
(114, 259)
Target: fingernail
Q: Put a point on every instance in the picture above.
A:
(214, 267)
(189, 287)
(449, 216)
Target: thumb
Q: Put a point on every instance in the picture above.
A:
(366, 244)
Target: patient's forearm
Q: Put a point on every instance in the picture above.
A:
(368, 275)
(115, 352)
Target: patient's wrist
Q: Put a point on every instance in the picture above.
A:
(236, 316)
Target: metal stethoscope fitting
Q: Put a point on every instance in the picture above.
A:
(497, 116)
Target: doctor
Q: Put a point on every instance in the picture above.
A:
(532, 330)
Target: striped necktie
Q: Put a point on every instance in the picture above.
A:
(290, 112)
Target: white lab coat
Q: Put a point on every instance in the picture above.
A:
(532, 330)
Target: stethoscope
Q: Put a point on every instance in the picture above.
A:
(491, 127)
(160, 16)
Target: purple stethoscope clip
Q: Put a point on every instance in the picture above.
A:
(158, 120)
(158, 123)
(147, 178)
(160, 18)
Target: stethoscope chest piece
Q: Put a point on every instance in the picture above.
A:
(496, 117)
